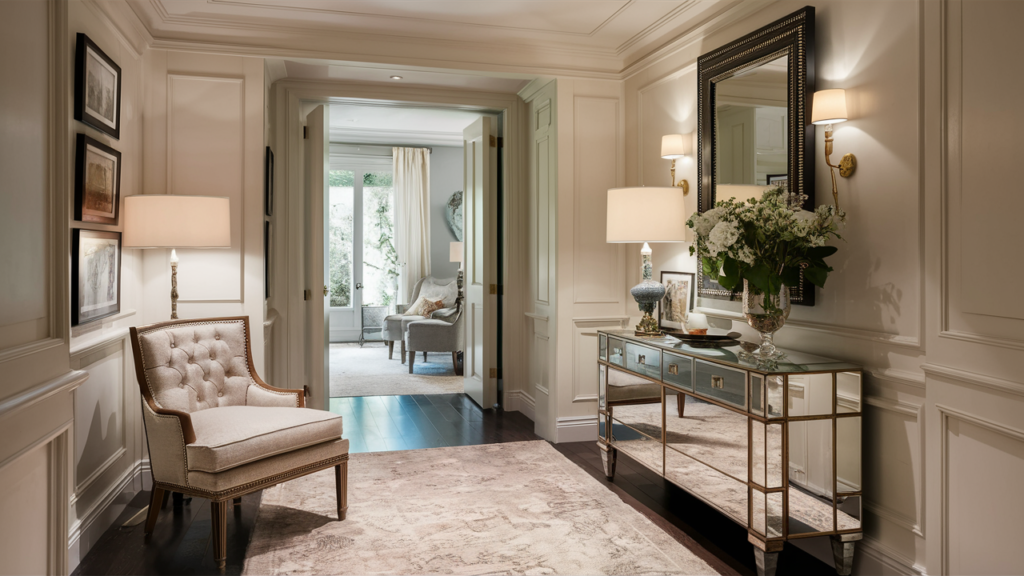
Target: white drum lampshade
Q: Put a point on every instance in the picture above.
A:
(166, 221)
(455, 252)
(829, 107)
(674, 146)
(646, 214)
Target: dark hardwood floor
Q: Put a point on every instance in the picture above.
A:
(180, 543)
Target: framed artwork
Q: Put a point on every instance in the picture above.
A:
(782, 179)
(268, 182)
(678, 300)
(95, 275)
(97, 88)
(97, 181)
(266, 259)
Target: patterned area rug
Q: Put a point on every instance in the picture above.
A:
(367, 371)
(515, 508)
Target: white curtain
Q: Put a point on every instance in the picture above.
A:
(412, 217)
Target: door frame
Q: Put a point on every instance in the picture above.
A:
(291, 100)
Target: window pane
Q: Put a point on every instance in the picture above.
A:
(341, 186)
(380, 260)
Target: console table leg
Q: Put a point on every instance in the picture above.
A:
(766, 562)
(608, 455)
(842, 552)
(681, 404)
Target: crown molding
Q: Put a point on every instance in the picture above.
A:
(402, 137)
(119, 16)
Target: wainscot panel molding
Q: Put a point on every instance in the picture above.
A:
(584, 352)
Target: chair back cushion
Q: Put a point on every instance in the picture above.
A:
(444, 289)
(197, 365)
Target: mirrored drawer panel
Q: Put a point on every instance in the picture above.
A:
(721, 383)
(616, 352)
(643, 360)
(603, 346)
(677, 371)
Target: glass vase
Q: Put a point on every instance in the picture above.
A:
(766, 313)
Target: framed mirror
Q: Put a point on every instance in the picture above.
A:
(754, 129)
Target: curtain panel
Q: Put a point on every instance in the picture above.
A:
(412, 217)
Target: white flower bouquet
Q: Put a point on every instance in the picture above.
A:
(766, 241)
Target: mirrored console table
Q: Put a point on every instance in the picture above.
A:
(775, 448)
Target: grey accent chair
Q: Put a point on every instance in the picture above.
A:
(440, 333)
(395, 325)
(216, 430)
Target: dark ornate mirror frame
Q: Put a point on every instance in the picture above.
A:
(791, 36)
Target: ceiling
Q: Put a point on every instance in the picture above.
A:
(591, 38)
(389, 125)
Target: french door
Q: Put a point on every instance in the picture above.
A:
(363, 264)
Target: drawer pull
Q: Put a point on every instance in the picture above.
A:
(641, 359)
(717, 382)
(673, 369)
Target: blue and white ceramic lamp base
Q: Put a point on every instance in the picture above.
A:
(647, 295)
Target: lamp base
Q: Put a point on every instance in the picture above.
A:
(648, 326)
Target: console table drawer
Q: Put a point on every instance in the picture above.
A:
(617, 352)
(721, 383)
(643, 360)
(677, 371)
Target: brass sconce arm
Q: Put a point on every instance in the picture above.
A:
(682, 183)
(847, 166)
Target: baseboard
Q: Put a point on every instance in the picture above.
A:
(877, 558)
(520, 401)
(84, 533)
(576, 429)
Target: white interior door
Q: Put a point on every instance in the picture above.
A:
(317, 265)
(480, 150)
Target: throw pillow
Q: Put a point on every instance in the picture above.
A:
(430, 306)
(415, 309)
(445, 292)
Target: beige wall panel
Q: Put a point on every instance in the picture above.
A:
(205, 150)
(24, 519)
(99, 416)
(541, 208)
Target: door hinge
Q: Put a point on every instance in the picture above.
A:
(501, 142)
(494, 142)
(494, 372)
(494, 288)
(307, 294)
(305, 133)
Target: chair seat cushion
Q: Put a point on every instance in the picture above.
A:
(231, 436)
(394, 326)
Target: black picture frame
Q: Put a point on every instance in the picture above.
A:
(268, 182)
(266, 259)
(97, 181)
(97, 88)
(793, 37)
(666, 278)
(95, 275)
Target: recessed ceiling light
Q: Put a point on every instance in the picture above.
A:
(396, 77)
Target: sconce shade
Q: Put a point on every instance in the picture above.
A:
(646, 214)
(455, 252)
(166, 221)
(675, 146)
(829, 107)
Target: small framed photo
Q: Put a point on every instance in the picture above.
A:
(268, 182)
(95, 275)
(97, 88)
(97, 181)
(778, 179)
(678, 300)
(266, 259)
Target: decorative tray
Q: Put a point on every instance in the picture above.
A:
(711, 336)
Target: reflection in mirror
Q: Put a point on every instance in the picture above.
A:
(848, 392)
(757, 454)
(848, 473)
(637, 446)
(603, 346)
(714, 435)
(766, 454)
(773, 455)
(810, 476)
(751, 113)
(810, 395)
(849, 514)
(602, 386)
(722, 492)
(773, 396)
(757, 394)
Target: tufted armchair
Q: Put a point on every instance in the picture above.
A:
(396, 325)
(215, 430)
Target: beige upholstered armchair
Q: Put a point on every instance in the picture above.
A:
(217, 431)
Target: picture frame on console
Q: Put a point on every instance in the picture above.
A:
(97, 181)
(680, 295)
(95, 275)
(97, 88)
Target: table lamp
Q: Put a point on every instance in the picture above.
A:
(166, 221)
(646, 214)
(455, 255)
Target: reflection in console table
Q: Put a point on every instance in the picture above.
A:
(776, 449)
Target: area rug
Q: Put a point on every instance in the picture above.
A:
(366, 371)
(515, 508)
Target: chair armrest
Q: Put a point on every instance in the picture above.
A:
(401, 308)
(263, 394)
(188, 433)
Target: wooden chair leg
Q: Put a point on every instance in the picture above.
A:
(156, 501)
(219, 517)
(391, 350)
(681, 403)
(412, 360)
(403, 351)
(167, 497)
(424, 355)
(341, 486)
(455, 361)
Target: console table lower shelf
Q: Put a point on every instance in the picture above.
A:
(776, 449)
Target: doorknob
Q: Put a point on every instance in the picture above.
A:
(359, 285)
(325, 290)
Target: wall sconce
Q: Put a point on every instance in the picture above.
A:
(828, 108)
(673, 147)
